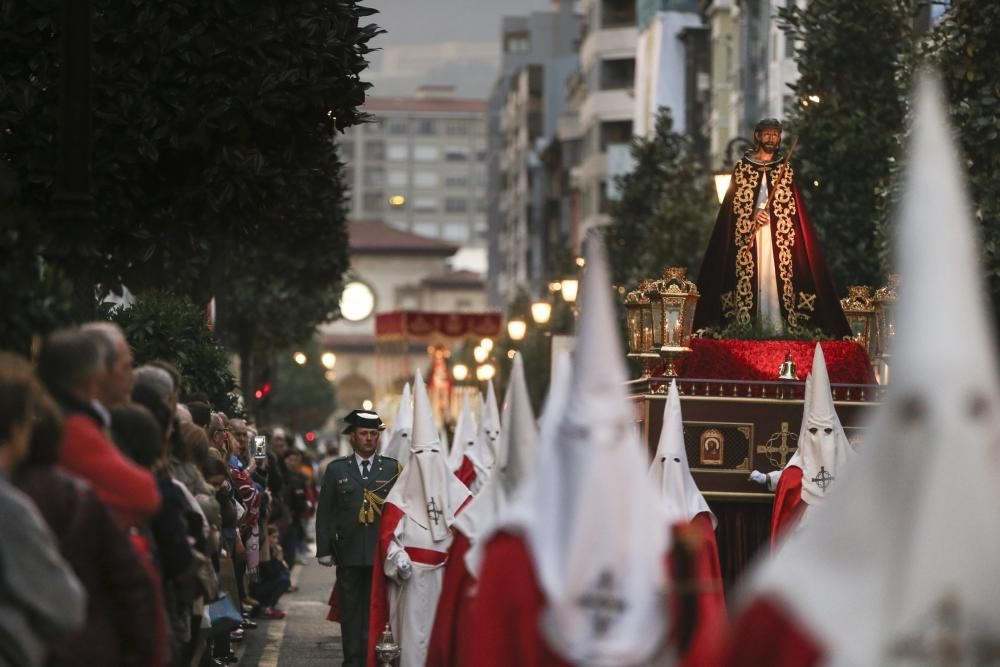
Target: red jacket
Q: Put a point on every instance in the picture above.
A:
(128, 489)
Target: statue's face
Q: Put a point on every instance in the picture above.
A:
(769, 139)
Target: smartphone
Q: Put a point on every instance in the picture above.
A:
(260, 446)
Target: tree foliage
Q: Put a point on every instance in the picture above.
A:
(302, 398)
(965, 47)
(161, 325)
(213, 158)
(848, 108)
(666, 208)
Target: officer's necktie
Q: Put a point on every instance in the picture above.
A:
(364, 468)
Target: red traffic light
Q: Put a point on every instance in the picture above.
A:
(310, 436)
(259, 394)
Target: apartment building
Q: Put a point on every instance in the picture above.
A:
(420, 165)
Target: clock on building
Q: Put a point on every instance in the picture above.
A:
(357, 302)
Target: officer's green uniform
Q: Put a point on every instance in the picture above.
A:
(347, 521)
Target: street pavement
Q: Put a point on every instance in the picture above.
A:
(304, 638)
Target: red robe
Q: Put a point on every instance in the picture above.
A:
(505, 612)
(452, 619)
(788, 504)
(378, 614)
(466, 472)
(765, 636)
(728, 276)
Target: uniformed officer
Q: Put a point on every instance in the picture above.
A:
(347, 520)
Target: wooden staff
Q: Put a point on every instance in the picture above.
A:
(783, 167)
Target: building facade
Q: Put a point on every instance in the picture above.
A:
(539, 53)
(391, 269)
(420, 165)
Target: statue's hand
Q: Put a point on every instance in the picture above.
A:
(762, 218)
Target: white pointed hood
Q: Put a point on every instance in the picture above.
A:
(555, 400)
(909, 540)
(592, 521)
(823, 449)
(398, 446)
(670, 472)
(427, 491)
(487, 448)
(464, 437)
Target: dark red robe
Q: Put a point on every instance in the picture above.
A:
(765, 636)
(466, 472)
(728, 277)
(509, 601)
(788, 503)
(452, 621)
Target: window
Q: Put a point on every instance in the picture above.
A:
(375, 126)
(618, 14)
(457, 128)
(426, 153)
(457, 233)
(397, 178)
(426, 179)
(398, 152)
(517, 42)
(456, 181)
(456, 154)
(456, 205)
(346, 150)
(426, 126)
(399, 126)
(373, 202)
(426, 204)
(617, 74)
(375, 150)
(615, 132)
(426, 229)
(374, 177)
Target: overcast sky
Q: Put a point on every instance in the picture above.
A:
(453, 42)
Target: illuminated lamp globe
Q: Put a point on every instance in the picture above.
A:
(541, 311)
(329, 360)
(570, 288)
(517, 329)
(486, 344)
(485, 372)
(460, 372)
(300, 358)
(480, 354)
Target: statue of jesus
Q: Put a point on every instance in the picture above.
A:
(763, 262)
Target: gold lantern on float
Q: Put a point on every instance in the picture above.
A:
(859, 309)
(641, 326)
(678, 298)
(885, 325)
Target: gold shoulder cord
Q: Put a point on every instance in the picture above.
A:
(371, 503)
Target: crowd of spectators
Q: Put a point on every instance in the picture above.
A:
(131, 513)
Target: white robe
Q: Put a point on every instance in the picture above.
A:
(412, 601)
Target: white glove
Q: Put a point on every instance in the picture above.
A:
(404, 565)
(757, 477)
(325, 561)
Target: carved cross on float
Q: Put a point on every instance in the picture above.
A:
(779, 443)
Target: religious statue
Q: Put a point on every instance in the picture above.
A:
(763, 262)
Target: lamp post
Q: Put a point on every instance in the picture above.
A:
(725, 174)
(516, 329)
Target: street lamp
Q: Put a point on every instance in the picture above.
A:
(329, 360)
(541, 311)
(569, 288)
(486, 344)
(460, 372)
(485, 372)
(725, 174)
(480, 354)
(300, 358)
(516, 329)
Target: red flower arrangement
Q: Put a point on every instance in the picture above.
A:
(728, 359)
